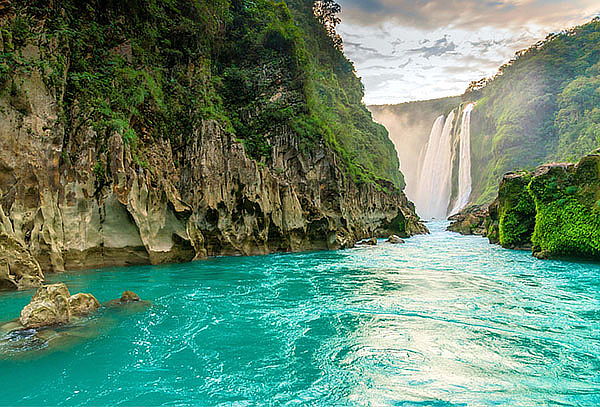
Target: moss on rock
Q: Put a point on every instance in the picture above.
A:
(555, 210)
(516, 211)
(568, 214)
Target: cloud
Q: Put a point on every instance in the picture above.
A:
(422, 49)
(429, 14)
(438, 49)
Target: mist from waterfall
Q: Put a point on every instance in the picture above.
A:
(433, 191)
(464, 169)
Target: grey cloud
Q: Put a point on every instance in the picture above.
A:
(404, 65)
(439, 48)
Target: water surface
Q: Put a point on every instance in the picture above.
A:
(442, 321)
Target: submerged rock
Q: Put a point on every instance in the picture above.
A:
(54, 320)
(128, 297)
(49, 306)
(394, 239)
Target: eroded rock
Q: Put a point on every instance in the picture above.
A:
(83, 304)
(54, 305)
(18, 268)
(81, 200)
(49, 306)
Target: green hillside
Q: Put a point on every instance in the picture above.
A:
(542, 106)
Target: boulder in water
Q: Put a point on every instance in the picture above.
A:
(394, 239)
(49, 306)
(368, 242)
(83, 304)
(54, 305)
(127, 297)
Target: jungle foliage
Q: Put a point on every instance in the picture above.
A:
(149, 69)
(541, 107)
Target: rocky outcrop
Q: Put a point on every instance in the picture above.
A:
(54, 305)
(470, 221)
(49, 306)
(553, 211)
(512, 215)
(18, 268)
(567, 202)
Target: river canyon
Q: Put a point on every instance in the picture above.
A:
(273, 240)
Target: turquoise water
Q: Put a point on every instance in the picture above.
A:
(443, 320)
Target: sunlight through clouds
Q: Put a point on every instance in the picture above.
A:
(413, 50)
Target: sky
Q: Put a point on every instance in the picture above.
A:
(424, 49)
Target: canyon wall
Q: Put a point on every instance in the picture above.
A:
(115, 150)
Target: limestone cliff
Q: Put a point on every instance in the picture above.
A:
(116, 164)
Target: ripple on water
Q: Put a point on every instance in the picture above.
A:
(443, 320)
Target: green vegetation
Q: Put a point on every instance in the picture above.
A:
(556, 210)
(156, 69)
(516, 212)
(568, 217)
(541, 107)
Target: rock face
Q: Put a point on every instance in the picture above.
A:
(470, 221)
(76, 197)
(512, 215)
(18, 268)
(567, 202)
(49, 306)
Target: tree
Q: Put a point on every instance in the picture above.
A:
(326, 11)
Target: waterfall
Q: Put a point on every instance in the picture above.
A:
(433, 192)
(464, 169)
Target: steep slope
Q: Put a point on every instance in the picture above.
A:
(541, 107)
(146, 131)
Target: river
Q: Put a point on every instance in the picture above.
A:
(443, 320)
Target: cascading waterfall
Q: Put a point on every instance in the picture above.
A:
(464, 170)
(433, 192)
